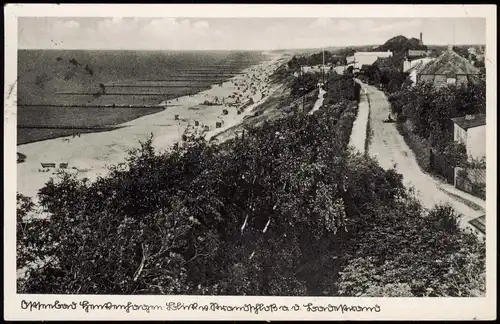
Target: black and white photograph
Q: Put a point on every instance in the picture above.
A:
(258, 156)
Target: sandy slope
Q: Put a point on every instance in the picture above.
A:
(91, 153)
(390, 149)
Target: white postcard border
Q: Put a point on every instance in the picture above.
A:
(389, 308)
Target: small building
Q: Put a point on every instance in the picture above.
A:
(416, 54)
(479, 225)
(470, 130)
(413, 68)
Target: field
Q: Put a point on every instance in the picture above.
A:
(68, 88)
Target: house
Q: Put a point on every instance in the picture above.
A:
(448, 68)
(413, 68)
(479, 225)
(21, 157)
(470, 130)
(415, 54)
(365, 58)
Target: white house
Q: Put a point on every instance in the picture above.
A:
(415, 66)
(365, 58)
(479, 226)
(471, 131)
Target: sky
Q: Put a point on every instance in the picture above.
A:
(239, 33)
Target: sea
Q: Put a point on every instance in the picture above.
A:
(65, 92)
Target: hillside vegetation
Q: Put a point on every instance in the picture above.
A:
(287, 209)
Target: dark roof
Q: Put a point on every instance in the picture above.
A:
(479, 120)
(479, 223)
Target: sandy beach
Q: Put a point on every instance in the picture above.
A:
(89, 155)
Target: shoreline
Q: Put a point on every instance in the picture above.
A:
(89, 155)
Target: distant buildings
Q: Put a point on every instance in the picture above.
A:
(365, 58)
(415, 54)
(470, 130)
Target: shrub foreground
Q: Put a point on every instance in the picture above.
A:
(287, 209)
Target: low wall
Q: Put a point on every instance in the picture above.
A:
(472, 181)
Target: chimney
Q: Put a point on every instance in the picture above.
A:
(421, 41)
(450, 48)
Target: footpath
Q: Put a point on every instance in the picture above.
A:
(358, 134)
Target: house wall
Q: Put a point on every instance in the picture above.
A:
(476, 142)
(460, 134)
(413, 76)
(406, 66)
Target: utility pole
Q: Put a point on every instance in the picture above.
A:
(323, 68)
(303, 89)
(453, 43)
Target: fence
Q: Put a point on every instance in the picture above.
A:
(442, 166)
(417, 144)
(357, 91)
(472, 181)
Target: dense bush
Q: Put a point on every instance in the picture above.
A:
(304, 83)
(284, 210)
(315, 59)
(419, 146)
(384, 257)
(428, 110)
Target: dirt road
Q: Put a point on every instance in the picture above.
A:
(390, 149)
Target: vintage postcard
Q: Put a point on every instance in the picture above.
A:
(250, 162)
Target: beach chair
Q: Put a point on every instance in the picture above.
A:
(63, 165)
(225, 112)
(218, 125)
(176, 117)
(196, 123)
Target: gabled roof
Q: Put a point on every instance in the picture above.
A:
(419, 65)
(450, 62)
(464, 123)
(479, 223)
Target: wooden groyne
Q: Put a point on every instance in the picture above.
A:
(95, 106)
(96, 128)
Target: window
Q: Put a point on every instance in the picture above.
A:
(451, 80)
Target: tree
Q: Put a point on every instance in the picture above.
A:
(288, 209)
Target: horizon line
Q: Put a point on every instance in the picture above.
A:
(231, 49)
